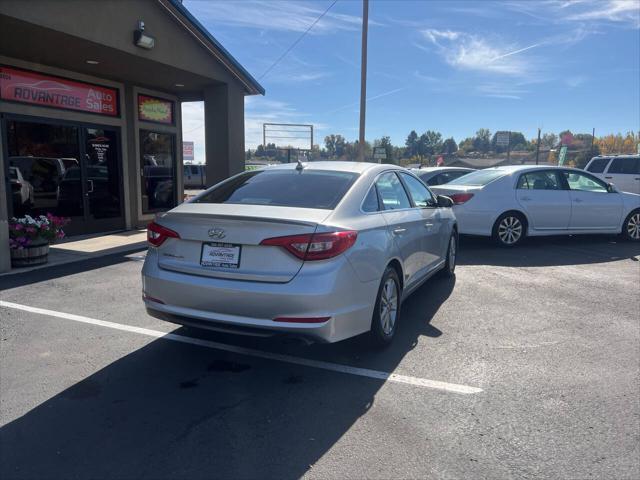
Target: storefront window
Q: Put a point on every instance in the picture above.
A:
(66, 170)
(41, 156)
(158, 180)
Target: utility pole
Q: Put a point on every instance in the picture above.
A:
(538, 147)
(363, 77)
(593, 137)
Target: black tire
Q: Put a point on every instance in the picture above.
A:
(631, 226)
(381, 335)
(510, 229)
(449, 268)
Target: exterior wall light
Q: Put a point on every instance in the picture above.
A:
(141, 39)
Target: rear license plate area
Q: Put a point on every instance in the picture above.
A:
(220, 255)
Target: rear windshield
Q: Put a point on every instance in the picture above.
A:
(285, 188)
(479, 178)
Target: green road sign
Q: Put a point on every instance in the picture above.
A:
(563, 155)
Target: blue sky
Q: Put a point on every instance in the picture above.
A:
(450, 66)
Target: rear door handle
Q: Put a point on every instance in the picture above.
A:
(608, 178)
(525, 199)
(428, 225)
(577, 200)
(399, 231)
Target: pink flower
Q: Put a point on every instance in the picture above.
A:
(17, 227)
(30, 230)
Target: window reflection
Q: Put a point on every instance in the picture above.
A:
(158, 171)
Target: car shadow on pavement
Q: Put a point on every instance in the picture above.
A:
(548, 251)
(173, 410)
(52, 272)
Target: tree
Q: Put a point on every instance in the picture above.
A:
(412, 143)
(466, 145)
(429, 143)
(548, 140)
(482, 140)
(335, 145)
(385, 142)
(449, 146)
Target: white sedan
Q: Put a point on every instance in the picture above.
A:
(511, 202)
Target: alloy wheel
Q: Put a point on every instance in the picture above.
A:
(510, 230)
(633, 226)
(388, 306)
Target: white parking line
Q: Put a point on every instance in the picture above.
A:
(334, 367)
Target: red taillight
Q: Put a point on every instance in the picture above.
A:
(460, 198)
(157, 234)
(315, 246)
(301, 319)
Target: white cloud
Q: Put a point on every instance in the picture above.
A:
(617, 11)
(473, 52)
(620, 12)
(273, 15)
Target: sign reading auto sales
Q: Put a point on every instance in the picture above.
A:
(30, 87)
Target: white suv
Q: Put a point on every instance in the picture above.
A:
(621, 170)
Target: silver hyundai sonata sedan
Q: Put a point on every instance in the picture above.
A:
(324, 250)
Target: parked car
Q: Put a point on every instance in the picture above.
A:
(21, 191)
(440, 175)
(511, 202)
(195, 176)
(326, 250)
(621, 170)
(44, 174)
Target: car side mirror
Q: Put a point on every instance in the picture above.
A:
(611, 188)
(444, 201)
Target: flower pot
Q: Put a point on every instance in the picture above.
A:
(35, 254)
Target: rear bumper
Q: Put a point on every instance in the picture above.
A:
(320, 289)
(474, 222)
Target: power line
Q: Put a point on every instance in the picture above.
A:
(297, 41)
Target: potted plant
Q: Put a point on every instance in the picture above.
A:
(29, 238)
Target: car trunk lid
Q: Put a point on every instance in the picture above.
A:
(209, 230)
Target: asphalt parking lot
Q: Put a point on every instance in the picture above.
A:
(527, 364)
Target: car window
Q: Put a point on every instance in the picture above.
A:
(598, 165)
(283, 187)
(13, 173)
(419, 193)
(370, 203)
(624, 165)
(545, 180)
(194, 170)
(585, 183)
(435, 180)
(479, 178)
(392, 192)
(186, 170)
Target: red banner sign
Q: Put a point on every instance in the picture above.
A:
(37, 89)
(152, 109)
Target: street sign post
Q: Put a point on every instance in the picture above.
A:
(379, 154)
(187, 151)
(502, 139)
(563, 155)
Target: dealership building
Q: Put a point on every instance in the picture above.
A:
(90, 110)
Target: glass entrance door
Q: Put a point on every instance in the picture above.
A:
(66, 170)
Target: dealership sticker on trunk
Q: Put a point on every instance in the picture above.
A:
(223, 255)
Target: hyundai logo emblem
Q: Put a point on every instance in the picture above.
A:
(216, 233)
